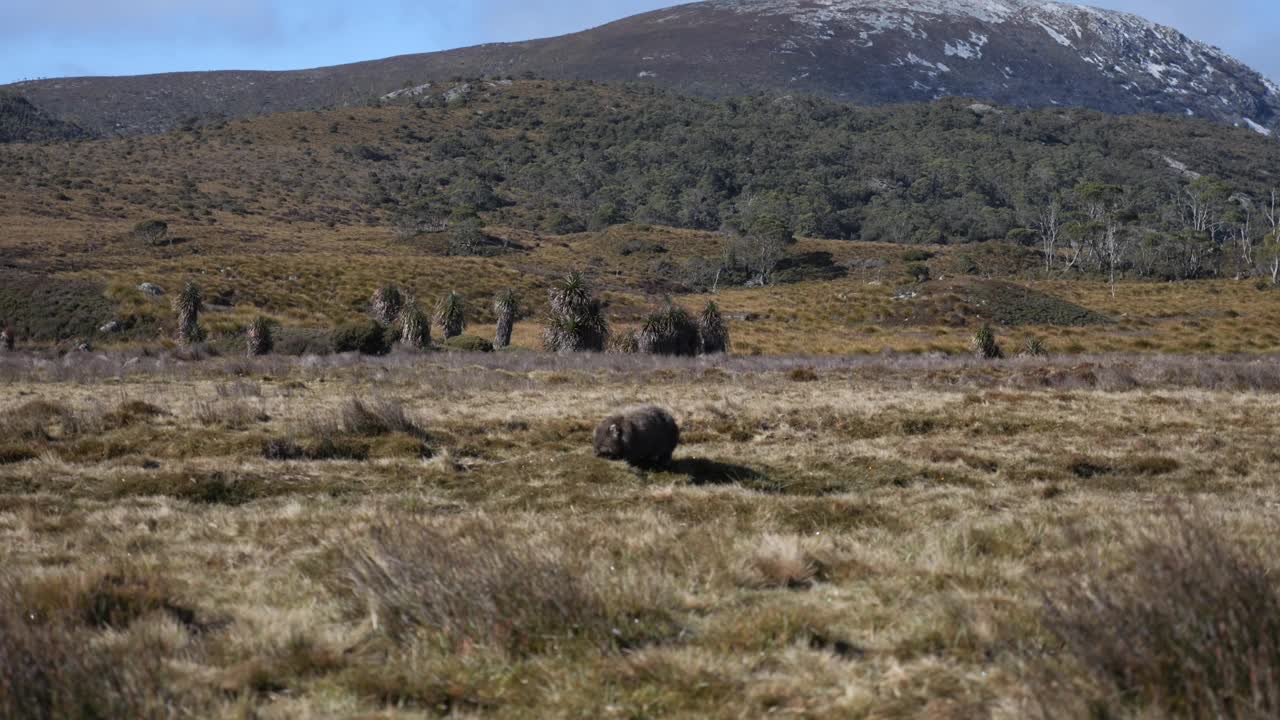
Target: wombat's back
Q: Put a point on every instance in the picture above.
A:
(644, 436)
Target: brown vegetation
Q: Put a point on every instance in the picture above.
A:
(410, 534)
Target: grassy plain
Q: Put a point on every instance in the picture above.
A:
(869, 537)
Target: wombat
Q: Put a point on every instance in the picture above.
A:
(643, 436)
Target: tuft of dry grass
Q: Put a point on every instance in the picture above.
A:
(56, 663)
(781, 561)
(470, 589)
(1190, 628)
(377, 417)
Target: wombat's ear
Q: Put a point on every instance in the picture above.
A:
(615, 430)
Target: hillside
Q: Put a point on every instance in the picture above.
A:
(1025, 53)
(300, 216)
(20, 121)
(562, 158)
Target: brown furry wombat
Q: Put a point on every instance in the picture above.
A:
(643, 436)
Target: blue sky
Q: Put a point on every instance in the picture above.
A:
(51, 38)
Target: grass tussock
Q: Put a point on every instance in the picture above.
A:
(781, 561)
(375, 418)
(357, 430)
(474, 589)
(56, 661)
(35, 420)
(1190, 629)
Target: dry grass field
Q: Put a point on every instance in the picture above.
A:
(861, 520)
(412, 536)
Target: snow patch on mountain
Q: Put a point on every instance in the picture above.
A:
(970, 49)
(1119, 45)
(1257, 128)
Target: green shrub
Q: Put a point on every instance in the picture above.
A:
(919, 272)
(152, 232)
(562, 224)
(917, 256)
(468, 343)
(366, 338)
(1012, 305)
(303, 341)
(467, 237)
(669, 331)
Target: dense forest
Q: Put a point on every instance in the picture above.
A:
(1155, 196)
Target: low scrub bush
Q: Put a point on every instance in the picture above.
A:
(303, 341)
(44, 309)
(366, 338)
(468, 343)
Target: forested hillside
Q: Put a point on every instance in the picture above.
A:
(1148, 195)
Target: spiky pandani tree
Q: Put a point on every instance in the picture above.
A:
(451, 315)
(8, 339)
(577, 322)
(259, 338)
(1033, 347)
(985, 345)
(713, 333)
(415, 326)
(386, 304)
(506, 306)
(669, 331)
(188, 304)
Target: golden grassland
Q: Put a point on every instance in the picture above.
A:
(317, 277)
(871, 538)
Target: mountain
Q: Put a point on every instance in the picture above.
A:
(20, 121)
(1028, 53)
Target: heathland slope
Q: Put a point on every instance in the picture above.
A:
(301, 216)
(1015, 52)
(563, 157)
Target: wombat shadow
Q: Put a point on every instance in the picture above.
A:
(702, 471)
